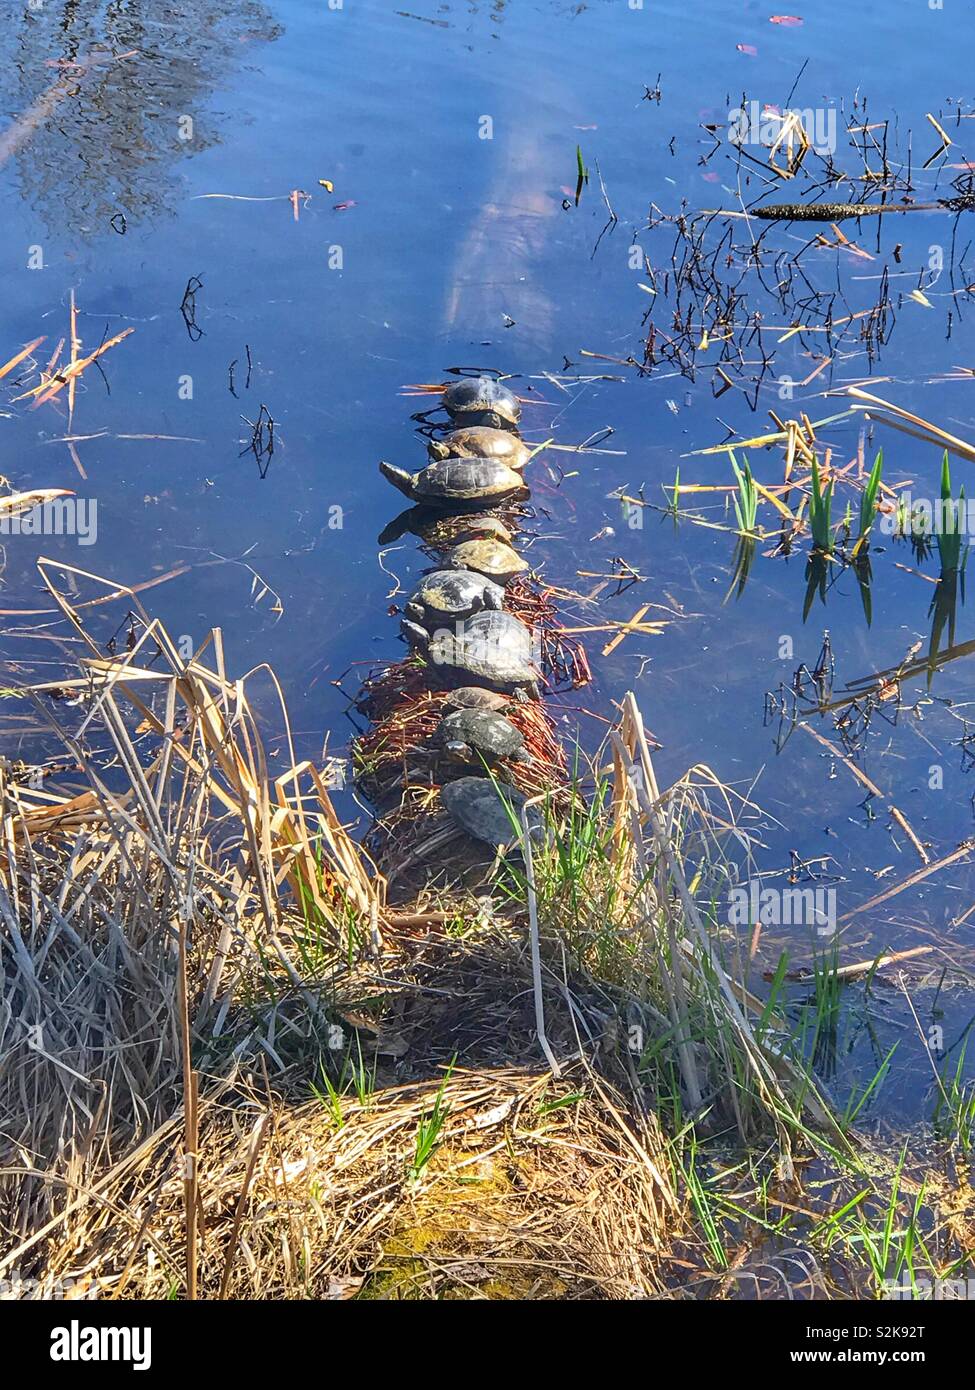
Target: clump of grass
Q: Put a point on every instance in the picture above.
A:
(429, 1131)
(610, 887)
(954, 1111)
(355, 1077)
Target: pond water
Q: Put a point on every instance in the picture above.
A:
(151, 149)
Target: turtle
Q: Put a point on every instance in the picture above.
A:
(457, 483)
(445, 596)
(478, 806)
(488, 557)
(480, 441)
(443, 529)
(494, 649)
(475, 735)
(477, 698)
(480, 400)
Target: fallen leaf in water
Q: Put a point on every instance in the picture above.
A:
(748, 48)
(327, 185)
(920, 298)
(341, 207)
(711, 176)
(792, 19)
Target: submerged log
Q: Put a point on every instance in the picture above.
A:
(836, 212)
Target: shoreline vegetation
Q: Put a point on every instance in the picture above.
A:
(231, 1070)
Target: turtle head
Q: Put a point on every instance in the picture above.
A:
(460, 751)
(397, 476)
(416, 635)
(437, 450)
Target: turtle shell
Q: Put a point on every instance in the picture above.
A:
(482, 400)
(470, 480)
(446, 594)
(478, 807)
(492, 649)
(483, 731)
(488, 557)
(481, 441)
(476, 697)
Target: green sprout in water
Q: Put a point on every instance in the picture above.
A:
(746, 498)
(949, 532)
(820, 511)
(675, 494)
(868, 502)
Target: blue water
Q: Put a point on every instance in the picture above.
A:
(460, 250)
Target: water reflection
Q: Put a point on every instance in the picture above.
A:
(102, 97)
(494, 281)
(942, 613)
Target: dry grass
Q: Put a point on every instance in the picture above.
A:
(140, 907)
(517, 1201)
(188, 948)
